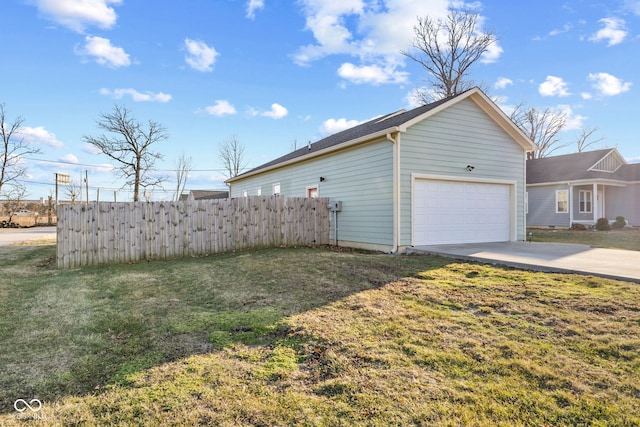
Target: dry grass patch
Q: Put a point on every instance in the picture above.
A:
(361, 339)
(627, 238)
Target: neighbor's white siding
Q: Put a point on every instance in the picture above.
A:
(445, 143)
(360, 177)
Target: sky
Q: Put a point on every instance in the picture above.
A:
(276, 74)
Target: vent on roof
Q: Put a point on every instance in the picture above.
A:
(388, 116)
(610, 163)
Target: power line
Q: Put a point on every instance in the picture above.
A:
(61, 162)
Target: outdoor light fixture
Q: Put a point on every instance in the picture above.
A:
(470, 168)
(322, 179)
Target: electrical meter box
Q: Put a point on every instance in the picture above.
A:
(335, 206)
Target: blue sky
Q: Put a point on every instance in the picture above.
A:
(273, 72)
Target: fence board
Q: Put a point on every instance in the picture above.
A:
(106, 232)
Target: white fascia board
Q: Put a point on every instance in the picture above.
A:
(338, 147)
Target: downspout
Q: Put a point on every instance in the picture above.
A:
(396, 190)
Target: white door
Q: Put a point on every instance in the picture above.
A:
(447, 212)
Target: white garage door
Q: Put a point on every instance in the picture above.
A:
(460, 212)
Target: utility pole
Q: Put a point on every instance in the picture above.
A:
(86, 181)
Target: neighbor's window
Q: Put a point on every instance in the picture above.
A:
(276, 189)
(562, 201)
(245, 193)
(259, 191)
(586, 201)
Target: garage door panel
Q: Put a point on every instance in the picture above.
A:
(460, 212)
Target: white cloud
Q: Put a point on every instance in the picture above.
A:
(252, 6)
(609, 85)
(277, 112)
(39, 136)
(79, 14)
(221, 108)
(492, 54)
(503, 82)
(553, 86)
(614, 31)
(412, 99)
(104, 52)
(573, 121)
(331, 126)
(200, 56)
(373, 74)
(69, 158)
(137, 96)
(586, 95)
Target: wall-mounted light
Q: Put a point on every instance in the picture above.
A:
(322, 179)
(470, 168)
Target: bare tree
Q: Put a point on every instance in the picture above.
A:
(73, 190)
(130, 145)
(184, 165)
(232, 156)
(446, 49)
(14, 148)
(583, 141)
(542, 127)
(14, 196)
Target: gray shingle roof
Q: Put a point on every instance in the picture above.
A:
(573, 167)
(369, 128)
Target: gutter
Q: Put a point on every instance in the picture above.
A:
(341, 146)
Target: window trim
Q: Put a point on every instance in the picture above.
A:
(311, 188)
(585, 202)
(276, 185)
(566, 201)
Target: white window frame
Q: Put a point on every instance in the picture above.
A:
(259, 191)
(245, 193)
(276, 189)
(566, 200)
(585, 200)
(311, 188)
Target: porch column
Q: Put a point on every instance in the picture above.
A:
(570, 201)
(594, 201)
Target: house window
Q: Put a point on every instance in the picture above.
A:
(562, 201)
(586, 201)
(312, 192)
(276, 189)
(245, 193)
(259, 191)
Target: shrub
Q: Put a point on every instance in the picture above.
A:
(576, 226)
(603, 224)
(620, 222)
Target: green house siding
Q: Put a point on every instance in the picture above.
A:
(360, 177)
(445, 143)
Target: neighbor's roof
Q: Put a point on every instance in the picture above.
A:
(392, 122)
(575, 167)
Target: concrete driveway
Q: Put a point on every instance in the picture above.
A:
(10, 236)
(550, 257)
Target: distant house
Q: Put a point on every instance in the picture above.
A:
(448, 172)
(204, 195)
(582, 187)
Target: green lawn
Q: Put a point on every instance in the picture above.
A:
(312, 337)
(628, 238)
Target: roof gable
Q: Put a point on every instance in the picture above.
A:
(397, 121)
(599, 164)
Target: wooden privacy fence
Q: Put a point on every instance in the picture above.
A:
(101, 233)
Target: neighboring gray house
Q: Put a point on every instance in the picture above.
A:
(448, 172)
(204, 195)
(582, 187)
